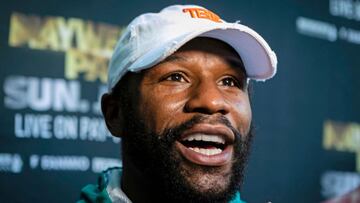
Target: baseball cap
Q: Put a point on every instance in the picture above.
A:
(151, 37)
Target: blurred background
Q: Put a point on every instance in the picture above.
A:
(54, 56)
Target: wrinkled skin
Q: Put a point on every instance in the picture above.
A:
(202, 84)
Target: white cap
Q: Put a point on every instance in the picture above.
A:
(151, 37)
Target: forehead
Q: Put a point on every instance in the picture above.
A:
(212, 46)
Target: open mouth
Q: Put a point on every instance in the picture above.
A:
(207, 145)
(204, 144)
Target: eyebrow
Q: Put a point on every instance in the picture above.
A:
(236, 62)
(233, 61)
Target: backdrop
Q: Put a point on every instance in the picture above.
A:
(54, 56)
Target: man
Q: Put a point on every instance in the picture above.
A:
(178, 97)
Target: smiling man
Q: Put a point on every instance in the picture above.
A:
(178, 97)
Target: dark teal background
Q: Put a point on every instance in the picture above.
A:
(317, 80)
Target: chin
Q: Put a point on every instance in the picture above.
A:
(209, 183)
(207, 179)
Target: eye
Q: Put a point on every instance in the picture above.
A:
(177, 77)
(229, 82)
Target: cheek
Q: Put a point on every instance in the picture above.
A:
(160, 111)
(243, 115)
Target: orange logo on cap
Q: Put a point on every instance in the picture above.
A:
(202, 13)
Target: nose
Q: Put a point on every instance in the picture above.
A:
(207, 98)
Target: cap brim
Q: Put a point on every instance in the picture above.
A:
(259, 60)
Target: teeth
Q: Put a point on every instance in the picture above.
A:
(208, 138)
(207, 152)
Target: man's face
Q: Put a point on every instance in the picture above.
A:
(192, 116)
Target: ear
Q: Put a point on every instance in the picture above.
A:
(113, 115)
